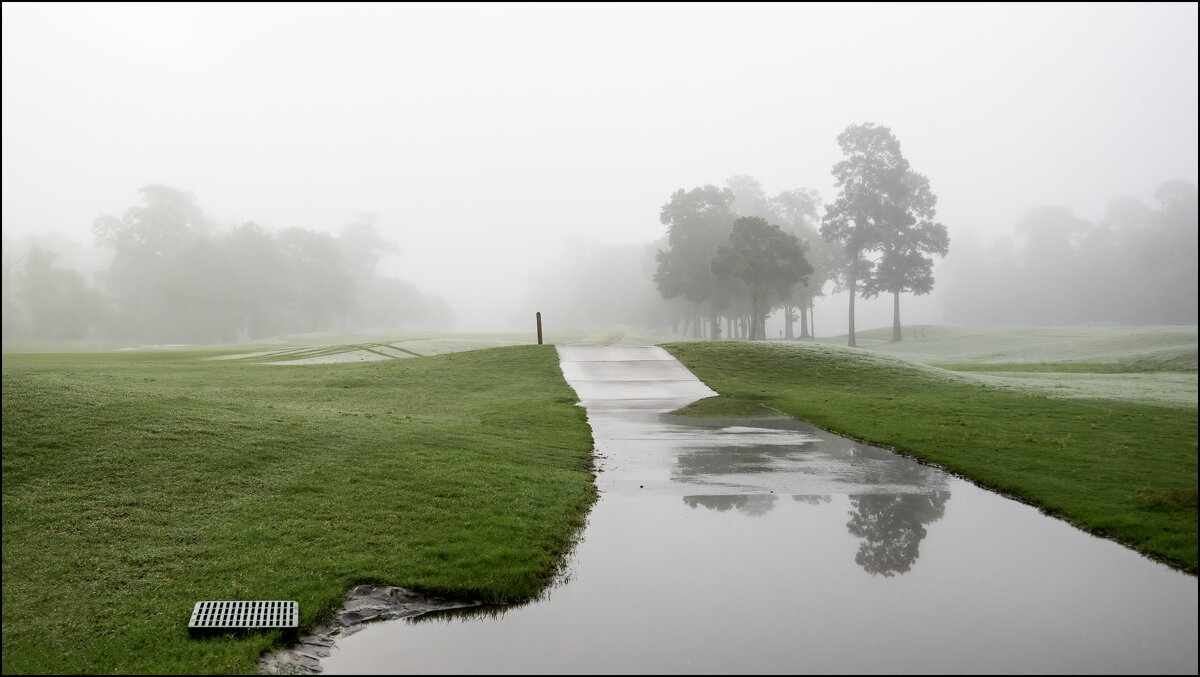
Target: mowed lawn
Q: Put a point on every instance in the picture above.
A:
(138, 483)
(1121, 469)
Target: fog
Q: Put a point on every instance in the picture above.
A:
(518, 156)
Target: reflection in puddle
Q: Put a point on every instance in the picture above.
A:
(771, 546)
(892, 527)
(754, 505)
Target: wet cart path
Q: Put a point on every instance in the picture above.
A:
(772, 546)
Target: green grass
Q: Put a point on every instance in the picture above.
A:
(136, 484)
(1120, 469)
(1046, 367)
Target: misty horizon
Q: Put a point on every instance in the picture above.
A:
(506, 149)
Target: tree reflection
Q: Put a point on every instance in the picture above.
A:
(892, 527)
(754, 505)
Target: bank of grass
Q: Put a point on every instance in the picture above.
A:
(1119, 469)
(136, 484)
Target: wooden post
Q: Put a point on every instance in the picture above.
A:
(539, 320)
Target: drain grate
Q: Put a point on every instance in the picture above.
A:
(231, 615)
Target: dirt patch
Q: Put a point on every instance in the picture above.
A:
(364, 604)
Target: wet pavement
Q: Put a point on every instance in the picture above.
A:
(771, 546)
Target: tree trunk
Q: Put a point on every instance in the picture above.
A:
(853, 293)
(895, 316)
(803, 321)
(787, 321)
(754, 335)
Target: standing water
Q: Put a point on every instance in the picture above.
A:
(770, 545)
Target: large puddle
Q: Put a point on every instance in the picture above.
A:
(772, 546)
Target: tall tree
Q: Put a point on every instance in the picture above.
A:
(872, 170)
(908, 235)
(698, 222)
(766, 259)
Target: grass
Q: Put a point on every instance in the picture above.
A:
(1048, 367)
(138, 483)
(1120, 469)
(1135, 348)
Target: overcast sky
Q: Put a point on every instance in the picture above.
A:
(486, 137)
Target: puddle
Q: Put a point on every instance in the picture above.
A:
(770, 546)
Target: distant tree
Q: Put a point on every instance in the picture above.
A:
(317, 277)
(797, 212)
(146, 241)
(257, 274)
(362, 247)
(15, 323)
(749, 198)
(58, 301)
(1171, 244)
(908, 234)
(873, 169)
(766, 259)
(698, 222)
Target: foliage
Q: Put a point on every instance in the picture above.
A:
(908, 236)
(701, 222)
(1137, 264)
(138, 483)
(766, 259)
(698, 222)
(796, 211)
(58, 302)
(1092, 462)
(174, 277)
(882, 206)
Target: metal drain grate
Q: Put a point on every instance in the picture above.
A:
(229, 615)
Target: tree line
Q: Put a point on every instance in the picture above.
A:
(1137, 264)
(175, 277)
(738, 256)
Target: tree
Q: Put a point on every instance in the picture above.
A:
(796, 212)
(698, 222)
(1172, 244)
(362, 248)
(59, 302)
(749, 198)
(317, 275)
(908, 234)
(257, 273)
(872, 171)
(768, 260)
(146, 241)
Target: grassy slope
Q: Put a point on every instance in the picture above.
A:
(136, 484)
(1120, 469)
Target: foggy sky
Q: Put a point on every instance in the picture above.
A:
(488, 137)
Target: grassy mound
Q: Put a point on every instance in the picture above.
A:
(1121, 469)
(136, 484)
